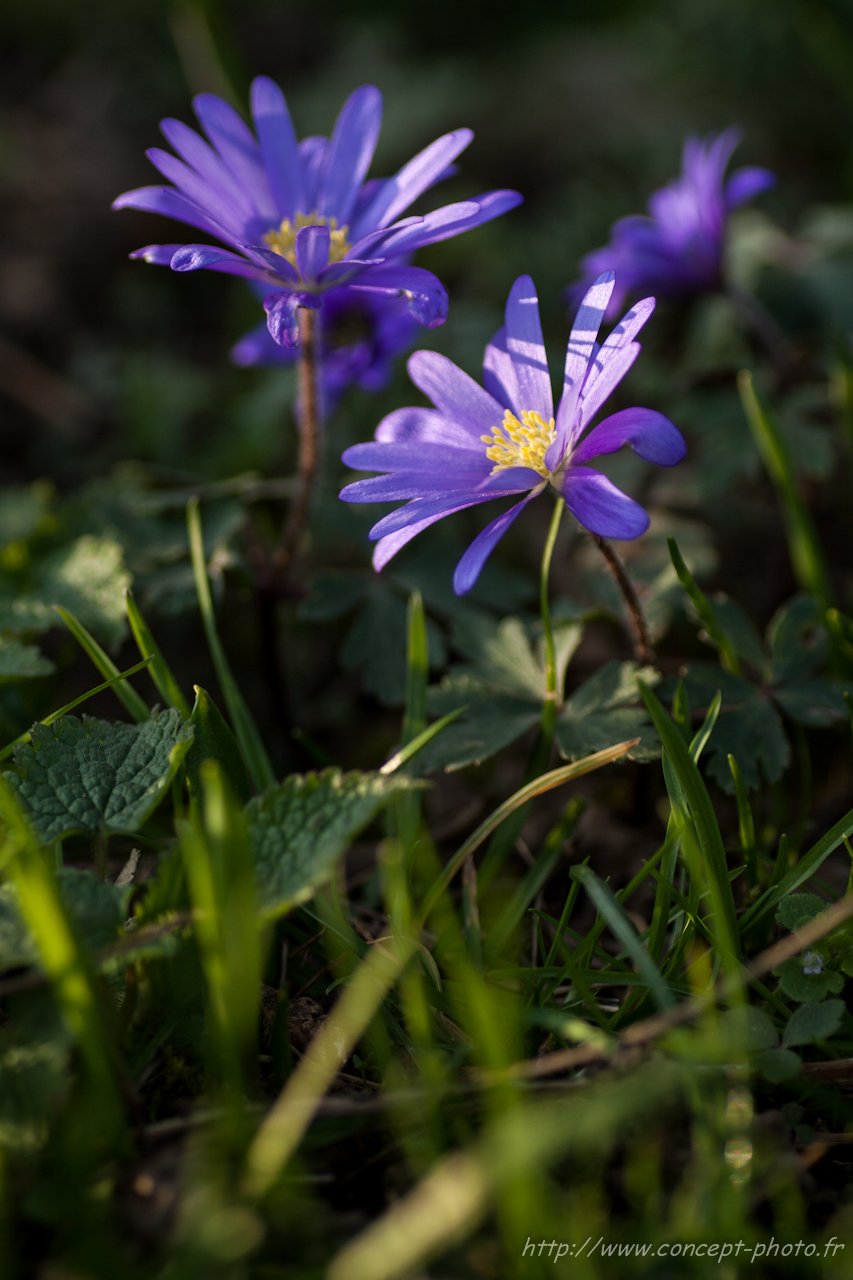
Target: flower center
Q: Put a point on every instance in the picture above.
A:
(283, 241)
(520, 444)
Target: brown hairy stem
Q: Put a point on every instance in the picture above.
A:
(643, 644)
(308, 418)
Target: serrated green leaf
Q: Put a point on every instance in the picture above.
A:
(22, 661)
(96, 907)
(748, 727)
(740, 629)
(86, 775)
(807, 986)
(798, 641)
(799, 908)
(492, 721)
(500, 654)
(300, 827)
(88, 578)
(815, 702)
(814, 1022)
(600, 713)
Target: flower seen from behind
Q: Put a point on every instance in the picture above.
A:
(480, 443)
(678, 249)
(361, 334)
(299, 218)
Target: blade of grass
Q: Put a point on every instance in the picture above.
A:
(69, 706)
(705, 823)
(622, 929)
(160, 672)
(806, 554)
(63, 961)
(746, 823)
(536, 877)
(728, 656)
(245, 729)
(405, 754)
(546, 782)
(800, 873)
(128, 695)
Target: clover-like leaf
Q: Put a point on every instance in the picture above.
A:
(493, 720)
(814, 1021)
(741, 630)
(88, 775)
(798, 908)
(815, 702)
(799, 984)
(798, 640)
(300, 827)
(748, 727)
(600, 713)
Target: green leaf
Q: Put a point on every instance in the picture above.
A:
(603, 711)
(817, 703)
(333, 593)
(86, 775)
(749, 1029)
(814, 1022)
(501, 655)
(778, 1065)
(88, 578)
(376, 643)
(22, 661)
(213, 740)
(807, 986)
(749, 727)
(300, 827)
(799, 908)
(492, 721)
(798, 641)
(740, 629)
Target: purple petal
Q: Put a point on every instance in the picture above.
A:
(312, 251)
(339, 273)
(172, 204)
(412, 233)
(603, 380)
(470, 566)
(599, 506)
(629, 326)
(312, 157)
(426, 294)
(499, 373)
(272, 262)
(455, 395)
(350, 153)
(490, 205)
(258, 347)
(160, 255)
(210, 168)
(391, 543)
(745, 184)
(233, 139)
(282, 321)
(443, 504)
(382, 455)
(426, 427)
(527, 349)
(650, 435)
(196, 189)
(406, 485)
(578, 355)
(196, 257)
(411, 181)
(279, 147)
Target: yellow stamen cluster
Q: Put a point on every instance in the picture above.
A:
(283, 241)
(520, 444)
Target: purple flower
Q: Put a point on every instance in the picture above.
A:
(679, 249)
(361, 334)
(299, 217)
(479, 444)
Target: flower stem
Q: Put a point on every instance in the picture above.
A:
(549, 709)
(643, 644)
(309, 431)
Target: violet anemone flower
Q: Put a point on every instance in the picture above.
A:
(361, 334)
(478, 444)
(299, 218)
(678, 250)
